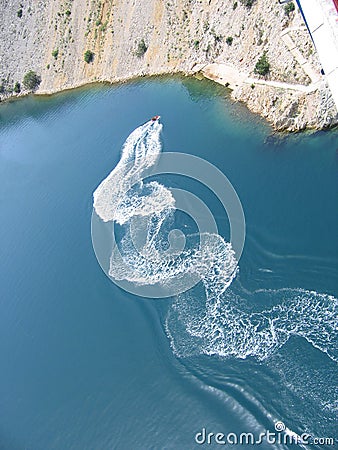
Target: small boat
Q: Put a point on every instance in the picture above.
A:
(155, 118)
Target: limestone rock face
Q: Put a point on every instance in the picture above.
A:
(131, 38)
(289, 110)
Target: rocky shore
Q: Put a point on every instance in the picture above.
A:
(125, 39)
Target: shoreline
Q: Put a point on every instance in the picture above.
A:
(87, 83)
(227, 76)
(210, 40)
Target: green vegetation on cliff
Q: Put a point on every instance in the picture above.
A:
(17, 88)
(88, 56)
(288, 8)
(141, 48)
(262, 66)
(31, 80)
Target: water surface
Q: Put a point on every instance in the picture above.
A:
(84, 364)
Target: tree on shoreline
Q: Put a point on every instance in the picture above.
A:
(17, 88)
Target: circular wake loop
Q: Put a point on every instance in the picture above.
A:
(133, 217)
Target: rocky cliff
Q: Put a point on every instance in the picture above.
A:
(131, 38)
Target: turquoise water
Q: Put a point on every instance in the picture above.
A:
(86, 365)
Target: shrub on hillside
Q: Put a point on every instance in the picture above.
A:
(17, 88)
(288, 8)
(141, 48)
(262, 66)
(88, 56)
(247, 3)
(31, 80)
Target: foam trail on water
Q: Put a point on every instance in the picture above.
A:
(232, 328)
(123, 197)
(113, 200)
(219, 322)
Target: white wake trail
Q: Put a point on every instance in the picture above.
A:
(113, 200)
(221, 323)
